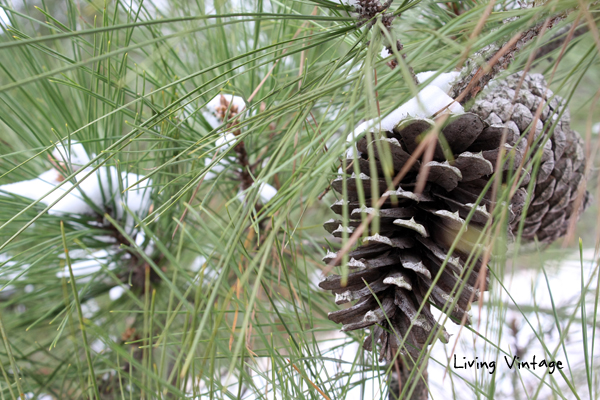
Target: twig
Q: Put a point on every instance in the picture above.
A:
(191, 200)
(321, 392)
(558, 39)
(473, 79)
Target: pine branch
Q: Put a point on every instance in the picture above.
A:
(558, 39)
(490, 61)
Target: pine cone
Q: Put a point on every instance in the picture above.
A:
(400, 261)
(562, 165)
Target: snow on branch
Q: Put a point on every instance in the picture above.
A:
(431, 101)
(225, 108)
(105, 191)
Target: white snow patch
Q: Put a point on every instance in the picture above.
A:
(90, 308)
(385, 53)
(74, 155)
(98, 346)
(87, 264)
(197, 263)
(221, 102)
(102, 188)
(33, 188)
(41, 396)
(200, 267)
(116, 293)
(530, 292)
(224, 142)
(427, 103)
(443, 81)
(9, 273)
(338, 353)
(4, 19)
(265, 192)
(211, 119)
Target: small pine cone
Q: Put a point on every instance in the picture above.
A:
(401, 260)
(562, 166)
(367, 9)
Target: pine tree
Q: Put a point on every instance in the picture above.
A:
(166, 168)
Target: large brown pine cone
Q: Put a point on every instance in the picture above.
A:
(562, 166)
(401, 261)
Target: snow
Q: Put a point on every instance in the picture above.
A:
(427, 103)
(221, 102)
(217, 107)
(224, 142)
(212, 113)
(44, 183)
(75, 155)
(530, 292)
(265, 192)
(103, 191)
(200, 267)
(222, 145)
(4, 19)
(528, 288)
(90, 308)
(84, 264)
(338, 355)
(216, 169)
(197, 263)
(95, 194)
(10, 273)
(211, 119)
(443, 81)
(116, 293)
(98, 346)
(41, 396)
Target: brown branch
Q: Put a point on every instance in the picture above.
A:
(475, 78)
(245, 174)
(321, 392)
(403, 376)
(557, 40)
(246, 180)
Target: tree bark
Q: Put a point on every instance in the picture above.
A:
(401, 377)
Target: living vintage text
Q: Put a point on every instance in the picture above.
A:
(512, 363)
